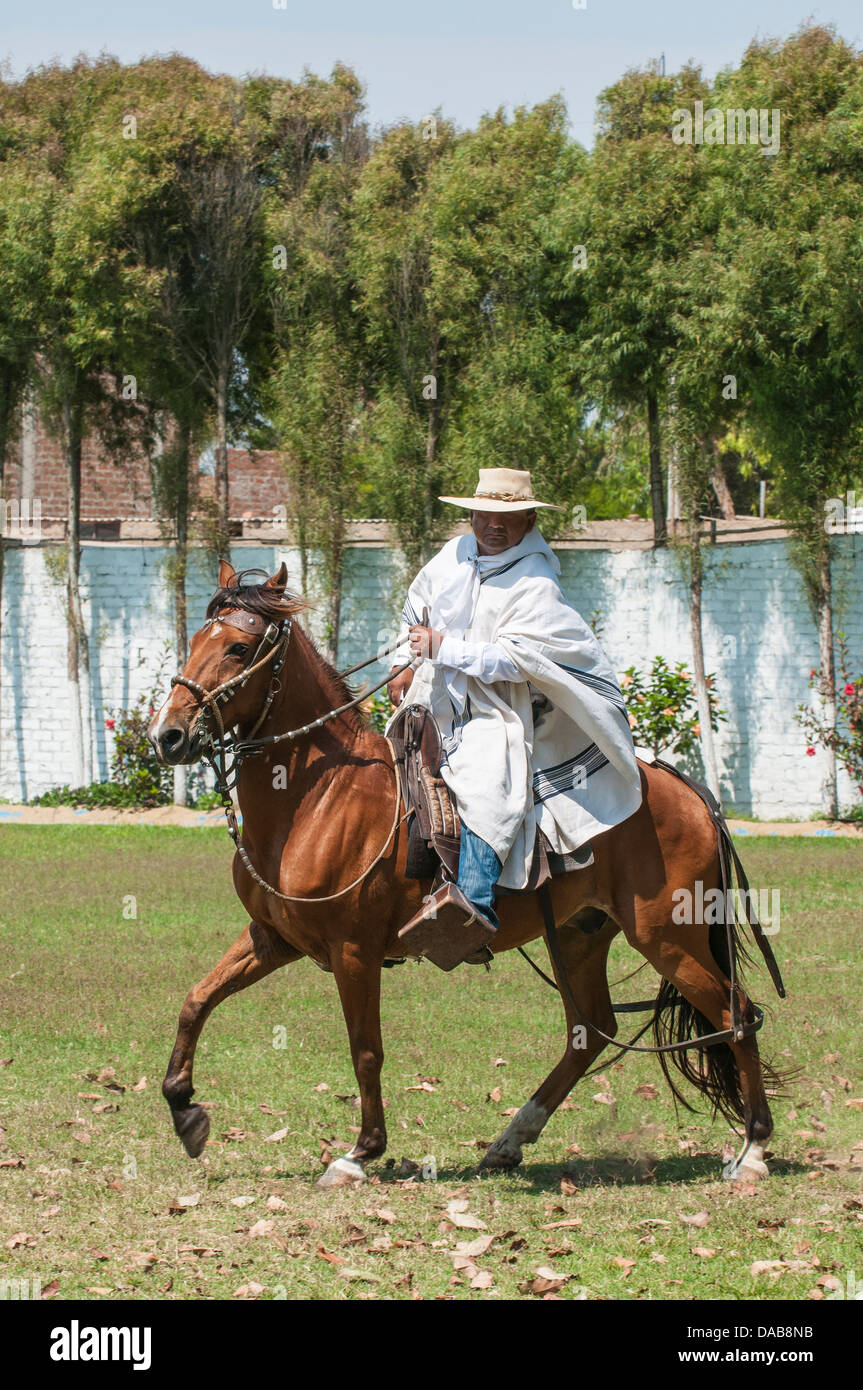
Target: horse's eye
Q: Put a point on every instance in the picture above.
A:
(238, 649)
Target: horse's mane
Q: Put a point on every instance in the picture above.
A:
(275, 605)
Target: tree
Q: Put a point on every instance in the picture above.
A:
(46, 118)
(793, 303)
(413, 374)
(497, 274)
(319, 386)
(624, 224)
(21, 263)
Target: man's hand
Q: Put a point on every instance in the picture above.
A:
(425, 641)
(397, 688)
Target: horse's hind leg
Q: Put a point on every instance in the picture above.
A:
(693, 971)
(257, 952)
(585, 957)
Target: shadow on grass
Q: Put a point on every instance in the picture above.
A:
(613, 1170)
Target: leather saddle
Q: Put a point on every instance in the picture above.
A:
(434, 831)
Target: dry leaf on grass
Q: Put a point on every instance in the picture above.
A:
(262, 1228)
(329, 1256)
(469, 1249)
(241, 1201)
(567, 1186)
(623, 1263)
(465, 1221)
(647, 1091)
(276, 1204)
(700, 1219)
(277, 1135)
(321, 1086)
(250, 1290)
(19, 1239)
(703, 1252)
(496, 1095)
(545, 1281)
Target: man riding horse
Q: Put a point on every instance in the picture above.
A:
(534, 730)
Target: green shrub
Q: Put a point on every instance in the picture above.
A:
(663, 707)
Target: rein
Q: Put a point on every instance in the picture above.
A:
(219, 747)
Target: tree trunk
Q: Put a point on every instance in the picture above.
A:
(335, 576)
(432, 433)
(180, 568)
(5, 419)
(657, 492)
(223, 537)
(696, 585)
(719, 483)
(824, 606)
(78, 652)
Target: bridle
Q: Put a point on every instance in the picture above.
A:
(225, 754)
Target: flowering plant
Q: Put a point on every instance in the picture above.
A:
(845, 736)
(663, 707)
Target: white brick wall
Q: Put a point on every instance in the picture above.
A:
(760, 640)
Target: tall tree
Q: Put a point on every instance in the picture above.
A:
(414, 373)
(47, 117)
(625, 226)
(318, 389)
(793, 295)
(497, 274)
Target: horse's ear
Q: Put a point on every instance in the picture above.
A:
(279, 579)
(227, 575)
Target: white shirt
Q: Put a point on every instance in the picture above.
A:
(486, 661)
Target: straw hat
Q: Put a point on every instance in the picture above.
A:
(501, 490)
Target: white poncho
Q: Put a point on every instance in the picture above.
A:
(551, 747)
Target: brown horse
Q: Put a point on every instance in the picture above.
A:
(322, 826)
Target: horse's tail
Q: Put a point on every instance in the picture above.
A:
(713, 1070)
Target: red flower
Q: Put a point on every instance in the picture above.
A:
(109, 724)
(810, 752)
(812, 674)
(849, 689)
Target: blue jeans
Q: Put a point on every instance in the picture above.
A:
(479, 869)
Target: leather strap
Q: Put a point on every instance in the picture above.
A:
(743, 1030)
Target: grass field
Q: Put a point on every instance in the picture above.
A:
(98, 1200)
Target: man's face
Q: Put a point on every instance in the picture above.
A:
(497, 531)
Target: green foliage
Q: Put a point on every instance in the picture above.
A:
(378, 710)
(134, 765)
(663, 710)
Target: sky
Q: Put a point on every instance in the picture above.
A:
(464, 56)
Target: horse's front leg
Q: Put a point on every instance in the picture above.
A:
(256, 953)
(359, 985)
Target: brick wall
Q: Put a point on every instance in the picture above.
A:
(759, 635)
(110, 491)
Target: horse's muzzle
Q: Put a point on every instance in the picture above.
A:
(174, 744)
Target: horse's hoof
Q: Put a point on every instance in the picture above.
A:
(343, 1172)
(749, 1166)
(499, 1160)
(193, 1127)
